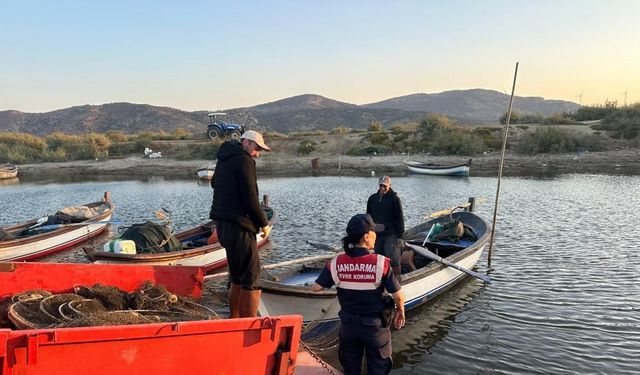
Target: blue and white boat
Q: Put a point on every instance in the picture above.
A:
(419, 167)
(422, 278)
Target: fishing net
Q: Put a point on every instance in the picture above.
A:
(100, 305)
(321, 336)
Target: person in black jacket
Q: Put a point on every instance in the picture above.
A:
(385, 208)
(239, 217)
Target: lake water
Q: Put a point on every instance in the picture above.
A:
(565, 297)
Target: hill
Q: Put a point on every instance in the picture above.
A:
(298, 113)
(475, 105)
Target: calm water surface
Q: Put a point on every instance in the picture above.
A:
(566, 291)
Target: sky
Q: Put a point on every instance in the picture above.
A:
(215, 55)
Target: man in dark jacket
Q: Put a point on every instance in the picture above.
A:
(236, 208)
(385, 208)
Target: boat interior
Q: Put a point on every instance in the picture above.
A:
(203, 236)
(409, 260)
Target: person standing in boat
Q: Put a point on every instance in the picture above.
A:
(239, 217)
(385, 207)
(361, 277)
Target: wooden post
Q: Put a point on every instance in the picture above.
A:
(265, 199)
(472, 204)
(504, 146)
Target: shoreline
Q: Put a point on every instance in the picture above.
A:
(626, 162)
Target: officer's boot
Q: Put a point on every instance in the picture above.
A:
(234, 300)
(249, 302)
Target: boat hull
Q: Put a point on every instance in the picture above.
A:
(8, 171)
(205, 173)
(209, 257)
(453, 171)
(438, 170)
(229, 346)
(39, 245)
(418, 286)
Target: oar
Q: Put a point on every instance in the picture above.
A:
(58, 226)
(276, 265)
(425, 252)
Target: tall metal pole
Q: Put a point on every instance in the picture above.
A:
(504, 146)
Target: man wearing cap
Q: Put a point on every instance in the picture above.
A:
(385, 207)
(361, 277)
(239, 217)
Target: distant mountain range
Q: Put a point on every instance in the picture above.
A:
(298, 113)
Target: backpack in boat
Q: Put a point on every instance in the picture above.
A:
(454, 230)
(62, 218)
(450, 230)
(151, 238)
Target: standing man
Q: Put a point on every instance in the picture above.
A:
(385, 208)
(239, 217)
(361, 278)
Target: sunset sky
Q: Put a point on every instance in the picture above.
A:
(208, 55)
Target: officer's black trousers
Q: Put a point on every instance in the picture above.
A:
(363, 335)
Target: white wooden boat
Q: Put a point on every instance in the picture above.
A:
(196, 251)
(438, 170)
(206, 173)
(288, 291)
(34, 239)
(8, 171)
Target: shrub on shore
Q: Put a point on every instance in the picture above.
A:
(24, 148)
(306, 147)
(555, 141)
(20, 148)
(623, 123)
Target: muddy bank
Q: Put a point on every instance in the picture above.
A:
(610, 162)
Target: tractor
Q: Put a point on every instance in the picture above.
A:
(218, 129)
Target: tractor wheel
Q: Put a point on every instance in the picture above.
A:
(214, 133)
(234, 134)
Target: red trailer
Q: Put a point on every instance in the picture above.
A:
(266, 345)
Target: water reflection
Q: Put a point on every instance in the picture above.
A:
(9, 181)
(429, 324)
(565, 297)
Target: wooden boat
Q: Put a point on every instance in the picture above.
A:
(438, 170)
(195, 252)
(288, 291)
(267, 345)
(33, 239)
(206, 173)
(8, 171)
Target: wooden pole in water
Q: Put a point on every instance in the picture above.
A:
(504, 146)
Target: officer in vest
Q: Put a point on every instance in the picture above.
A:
(361, 277)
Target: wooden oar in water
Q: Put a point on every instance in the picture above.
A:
(426, 253)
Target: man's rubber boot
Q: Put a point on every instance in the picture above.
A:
(249, 302)
(234, 300)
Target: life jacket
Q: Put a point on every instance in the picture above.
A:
(359, 273)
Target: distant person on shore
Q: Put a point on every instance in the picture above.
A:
(239, 216)
(361, 277)
(385, 208)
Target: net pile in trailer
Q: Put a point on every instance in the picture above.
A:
(99, 305)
